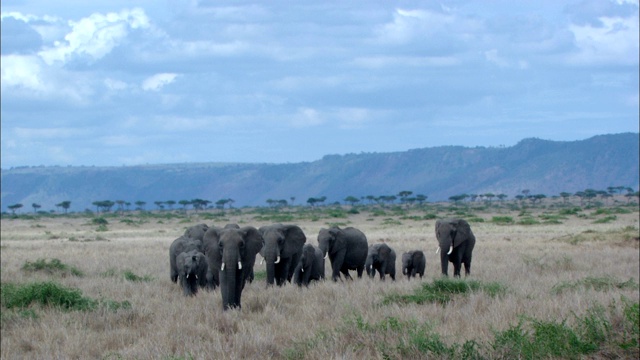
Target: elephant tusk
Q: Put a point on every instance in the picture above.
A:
(239, 265)
(438, 250)
(450, 250)
(277, 260)
(188, 275)
(302, 269)
(325, 255)
(222, 267)
(262, 261)
(196, 277)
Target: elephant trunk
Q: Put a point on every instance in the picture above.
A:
(229, 273)
(271, 273)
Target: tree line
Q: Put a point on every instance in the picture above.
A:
(587, 196)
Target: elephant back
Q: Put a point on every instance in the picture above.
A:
(196, 231)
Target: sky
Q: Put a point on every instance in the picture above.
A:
(112, 83)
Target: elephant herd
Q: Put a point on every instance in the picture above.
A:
(212, 257)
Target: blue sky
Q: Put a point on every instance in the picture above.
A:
(145, 82)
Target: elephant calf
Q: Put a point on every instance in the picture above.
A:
(413, 263)
(382, 258)
(192, 271)
(310, 267)
(178, 246)
(346, 249)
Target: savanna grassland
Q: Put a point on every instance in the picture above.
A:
(551, 281)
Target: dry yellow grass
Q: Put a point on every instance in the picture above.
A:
(274, 322)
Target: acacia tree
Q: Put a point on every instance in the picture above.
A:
(65, 205)
(170, 204)
(140, 204)
(14, 207)
(351, 200)
(420, 198)
(36, 207)
(159, 204)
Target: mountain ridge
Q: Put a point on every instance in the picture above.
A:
(543, 166)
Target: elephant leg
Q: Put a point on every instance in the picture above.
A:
(360, 270)
(413, 272)
(336, 266)
(467, 265)
(306, 277)
(345, 272)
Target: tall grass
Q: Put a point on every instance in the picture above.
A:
(550, 290)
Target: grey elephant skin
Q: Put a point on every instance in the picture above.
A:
(310, 267)
(210, 249)
(178, 246)
(346, 249)
(413, 263)
(196, 231)
(381, 258)
(192, 271)
(281, 252)
(456, 242)
(231, 254)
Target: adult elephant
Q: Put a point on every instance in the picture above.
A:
(456, 243)
(192, 271)
(196, 231)
(231, 254)
(178, 246)
(282, 250)
(346, 249)
(413, 263)
(310, 267)
(381, 258)
(210, 249)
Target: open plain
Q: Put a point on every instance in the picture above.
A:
(565, 271)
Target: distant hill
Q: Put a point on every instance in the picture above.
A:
(542, 166)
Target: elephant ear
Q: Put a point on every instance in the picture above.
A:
(253, 239)
(210, 241)
(294, 240)
(462, 232)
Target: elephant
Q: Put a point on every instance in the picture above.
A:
(231, 254)
(210, 250)
(413, 263)
(382, 258)
(196, 231)
(178, 246)
(346, 249)
(310, 267)
(282, 250)
(456, 242)
(192, 271)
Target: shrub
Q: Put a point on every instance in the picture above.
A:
(502, 220)
(54, 266)
(442, 291)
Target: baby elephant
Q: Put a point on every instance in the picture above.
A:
(192, 271)
(382, 258)
(310, 266)
(413, 262)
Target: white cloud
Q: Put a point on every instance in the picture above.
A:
(158, 81)
(410, 24)
(616, 41)
(48, 133)
(23, 72)
(95, 36)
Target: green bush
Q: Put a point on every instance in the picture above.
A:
(442, 291)
(54, 266)
(503, 220)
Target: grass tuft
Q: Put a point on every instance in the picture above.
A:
(442, 291)
(53, 266)
(596, 283)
